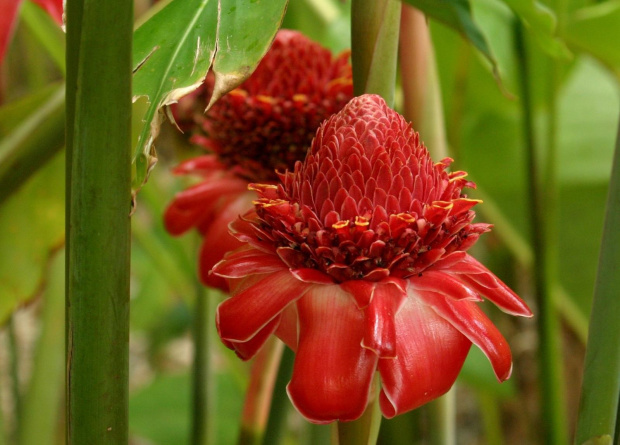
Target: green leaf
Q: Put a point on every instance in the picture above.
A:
(33, 131)
(596, 31)
(175, 48)
(541, 23)
(457, 15)
(31, 227)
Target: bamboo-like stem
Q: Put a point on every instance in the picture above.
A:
(280, 402)
(259, 393)
(491, 418)
(553, 411)
(204, 388)
(99, 36)
(14, 374)
(374, 46)
(365, 430)
(599, 408)
(40, 415)
(422, 104)
(442, 419)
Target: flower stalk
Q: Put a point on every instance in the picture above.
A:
(542, 216)
(203, 388)
(375, 26)
(99, 36)
(599, 407)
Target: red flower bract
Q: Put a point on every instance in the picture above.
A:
(357, 260)
(266, 124)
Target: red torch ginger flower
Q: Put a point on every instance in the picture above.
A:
(357, 260)
(264, 125)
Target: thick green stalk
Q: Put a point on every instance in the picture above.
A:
(600, 393)
(374, 46)
(14, 374)
(365, 430)
(256, 408)
(280, 403)
(442, 419)
(204, 390)
(40, 417)
(422, 104)
(99, 36)
(550, 364)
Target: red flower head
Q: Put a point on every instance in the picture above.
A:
(357, 261)
(264, 125)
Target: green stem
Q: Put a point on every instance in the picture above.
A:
(258, 396)
(280, 401)
(374, 46)
(99, 36)
(14, 373)
(491, 418)
(204, 390)
(40, 417)
(600, 393)
(365, 430)
(542, 215)
(442, 419)
(422, 104)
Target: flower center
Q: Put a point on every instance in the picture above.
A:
(368, 202)
(268, 123)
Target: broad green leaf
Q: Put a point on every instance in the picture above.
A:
(160, 411)
(32, 225)
(596, 31)
(174, 49)
(541, 23)
(30, 142)
(457, 15)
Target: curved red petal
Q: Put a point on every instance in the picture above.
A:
(332, 373)
(312, 276)
(247, 260)
(362, 291)
(218, 241)
(199, 165)
(468, 319)
(488, 284)
(429, 356)
(287, 329)
(445, 284)
(240, 317)
(247, 349)
(380, 333)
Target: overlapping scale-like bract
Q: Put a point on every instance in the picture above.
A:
(268, 122)
(368, 202)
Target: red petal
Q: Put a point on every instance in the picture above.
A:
(247, 349)
(473, 324)
(380, 335)
(362, 291)
(485, 282)
(248, 261)
(240, 317)
(332, 372)
(429, 356)
(218, 241)
(9, 10)
(445, 284)
(53, 8)
(199, 165)
(312, 276)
